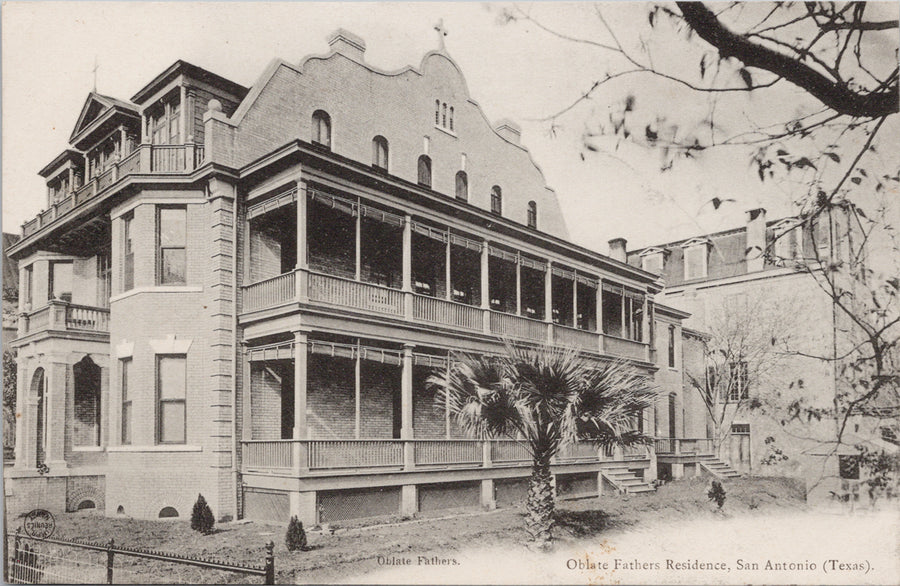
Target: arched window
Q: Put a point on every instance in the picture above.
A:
(451, 117)
(437, 112)
(380, 152)
(532, 214)
(462, 185)
(321, 128)
(168, 513)
(444, 118)
(425, 170)
(496, 200)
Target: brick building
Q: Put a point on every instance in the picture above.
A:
(240, 292)
(747, 286)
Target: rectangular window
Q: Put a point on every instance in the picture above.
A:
(738, 387)
(652, 263)
(786, 246)
(127, 253)
(28, 287)
(171, 237)
(672, 346)
(612, 311)
(695, 262)
(171, 383)
(127, 420)
(164, 122)
(104, 279)
(61, 281)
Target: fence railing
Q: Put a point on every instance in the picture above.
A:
(581, 339)
(442, 311)
(340, 291)
(514, 326)
(270, 292)
(32, 560)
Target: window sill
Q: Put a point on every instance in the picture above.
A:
(157, 289)
(88, 448)
(157, 448)
(446, 131)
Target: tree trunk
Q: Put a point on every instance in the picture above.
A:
(541, 503)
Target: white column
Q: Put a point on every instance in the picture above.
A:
(485, 287)
(406, 407)
(518, 285)
(548, 293)
(357, 393)
(575, 301)
(301, 429)
(357, 246)
(447, 271)
(599, 312)
(407, 268)
(302, 242)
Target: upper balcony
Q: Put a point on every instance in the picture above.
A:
(145, 159)
(61, 316)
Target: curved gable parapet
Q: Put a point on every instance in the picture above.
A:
(424, 110)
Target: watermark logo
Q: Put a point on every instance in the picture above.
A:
(39, 523)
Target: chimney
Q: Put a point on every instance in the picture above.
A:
(509, 130)
(617, 249)
(756, 239)
(347, 44)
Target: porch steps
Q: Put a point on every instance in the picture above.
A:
(625, 480)
(718, 468)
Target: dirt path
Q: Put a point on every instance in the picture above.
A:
(818, 547)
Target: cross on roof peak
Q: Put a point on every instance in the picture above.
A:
(442, 32)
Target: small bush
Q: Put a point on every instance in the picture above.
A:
(716, 493)
(202, 518)
(295, 538)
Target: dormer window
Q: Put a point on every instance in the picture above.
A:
(164, 121)
(321, 128)
(696, 257)
(653, 260)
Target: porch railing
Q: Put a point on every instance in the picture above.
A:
(635, 452)
(686, 446)
(82, 317)
(446, 312)
(339, 291)
(280, 456)
(581, 339)
(448, 452)
(514, 326)
(270, 292)
(336, 454)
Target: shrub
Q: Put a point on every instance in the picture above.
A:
(202, 518)
(716, 493)
(295, 538)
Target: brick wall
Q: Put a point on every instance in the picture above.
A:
(330, 398)
(265, 250)
(379, 400)
(332, 241)
(428, 409)
(363, 103)
(265, 401)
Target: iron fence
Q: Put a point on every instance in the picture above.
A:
(31, 560)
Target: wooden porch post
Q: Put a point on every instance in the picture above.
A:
(575, 300)
(485, 287)
(518, 284)
(357, 246)
(599, 312)
(407, 267)
(406, 406)
(302, 266)
(301, 430)
(447, 274)
(548, 301)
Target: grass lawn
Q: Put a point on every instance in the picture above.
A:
(351, 548)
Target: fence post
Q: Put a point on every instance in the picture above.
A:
(109, 561)
(270, 562)
(14, 566)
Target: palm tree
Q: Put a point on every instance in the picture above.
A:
(546, 398)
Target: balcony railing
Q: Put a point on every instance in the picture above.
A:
(145, 159)
(60, 315)
(339, 291)
(320, 456)
(514, 326)
(581, 339)
(356, 294)
(441, 311)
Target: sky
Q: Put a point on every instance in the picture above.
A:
(514, 70)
